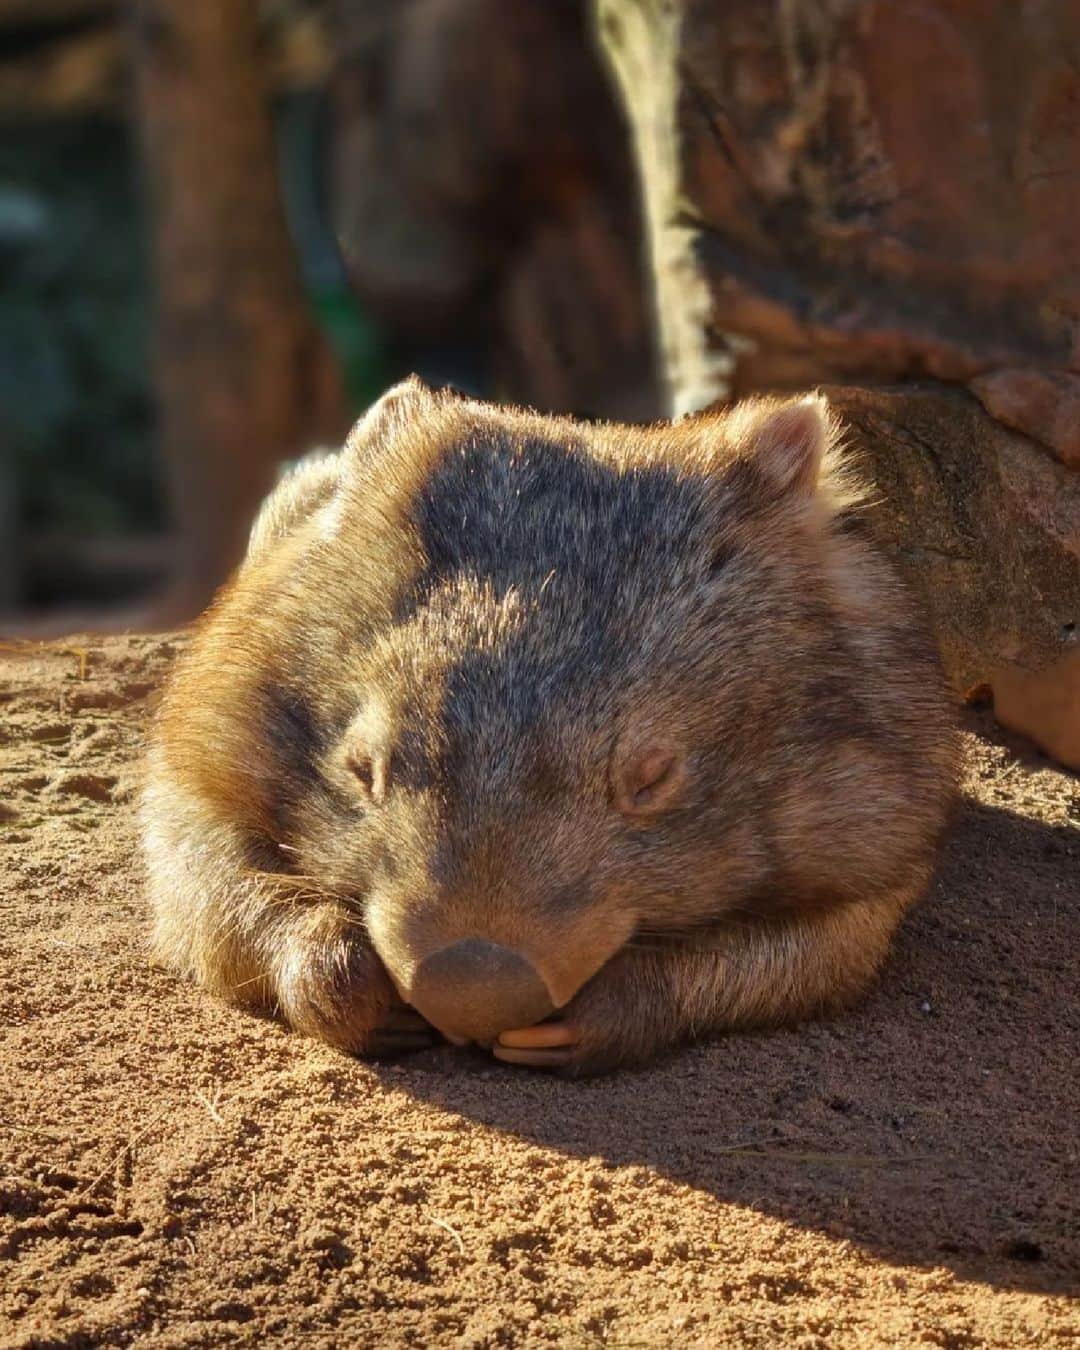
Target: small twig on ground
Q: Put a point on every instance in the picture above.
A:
(83, 657)
(127, 1147)
(30, 1129)
(441, 1223)
(211, 1104)
(775, 1154)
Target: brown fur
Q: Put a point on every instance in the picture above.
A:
(641, 704)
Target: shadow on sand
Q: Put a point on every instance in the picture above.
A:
(936, 1125)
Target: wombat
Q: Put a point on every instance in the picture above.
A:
(573, 741)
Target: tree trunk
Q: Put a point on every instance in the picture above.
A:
(884, 194)
(244, 378)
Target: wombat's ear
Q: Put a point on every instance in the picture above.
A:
(788, 441)
(405, 400)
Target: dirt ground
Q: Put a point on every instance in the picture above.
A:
(175, 1173)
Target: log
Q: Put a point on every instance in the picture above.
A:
(880, 199)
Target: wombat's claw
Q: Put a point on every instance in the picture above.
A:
(551, 1045)
(401, 1031)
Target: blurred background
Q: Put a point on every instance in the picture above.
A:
(225, 227)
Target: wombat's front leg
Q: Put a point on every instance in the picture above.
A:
(648, 1000)
(309, 961)
(627, 1014)
(265, 940)
(327, 981)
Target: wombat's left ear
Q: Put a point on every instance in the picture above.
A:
(406, 398)
(789, 442)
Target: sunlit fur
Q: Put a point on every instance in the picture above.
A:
(485, 604)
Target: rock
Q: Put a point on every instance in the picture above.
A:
(1044, 404)
(1043, 704)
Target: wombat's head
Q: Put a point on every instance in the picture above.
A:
(563, 717)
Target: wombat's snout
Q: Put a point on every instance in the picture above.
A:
(475, 989)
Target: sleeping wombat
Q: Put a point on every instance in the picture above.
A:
(574, 741)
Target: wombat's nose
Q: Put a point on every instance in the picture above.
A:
(474, 989)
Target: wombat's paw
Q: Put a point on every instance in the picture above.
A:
(549, 1045)
(400, 1031)
(577, 1046)
(610, 1023)
(339, 992)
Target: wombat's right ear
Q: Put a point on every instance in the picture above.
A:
(402, 402)
(787, 441)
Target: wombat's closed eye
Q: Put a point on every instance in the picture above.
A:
(571, 741)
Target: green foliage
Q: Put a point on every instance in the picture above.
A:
(357, 344)
(76, 408)
(74, 329)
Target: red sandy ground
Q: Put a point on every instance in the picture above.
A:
(176, 1173)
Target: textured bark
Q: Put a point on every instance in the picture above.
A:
(886, 192)
(244, 378)
(484, 192)
(983, 523)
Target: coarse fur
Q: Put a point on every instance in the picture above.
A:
(642, 704)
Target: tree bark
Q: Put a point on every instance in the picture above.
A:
(883, 194)
(244, 378)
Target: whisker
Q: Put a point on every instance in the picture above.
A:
(255, 979)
